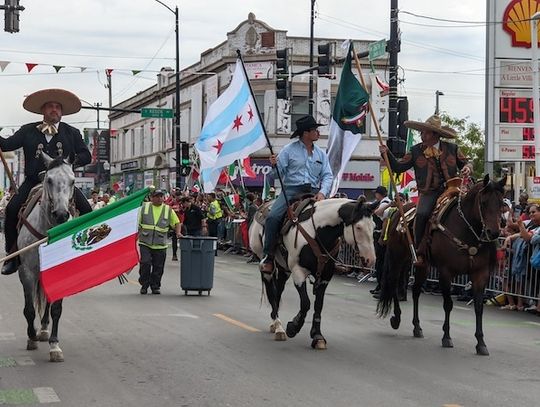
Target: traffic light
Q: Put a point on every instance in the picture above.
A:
(282, 74)
(403, 116)
(185, 162)
(398, 145)
(324, 60)
(12, 8)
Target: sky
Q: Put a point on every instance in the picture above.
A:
(127, 35)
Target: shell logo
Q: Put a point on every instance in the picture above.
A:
(516, 21)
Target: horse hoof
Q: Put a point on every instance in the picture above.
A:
(318, 344)
(43, 336)
(272, 328)
(56, 356)
(394, 322)
(280, 336)
(482, 350)
(291, 331)
(31, 344)
(418, 333)
(447, 343)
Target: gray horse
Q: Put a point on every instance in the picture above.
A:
(53, 209)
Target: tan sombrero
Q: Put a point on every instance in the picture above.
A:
(70, 103)
(432, 124)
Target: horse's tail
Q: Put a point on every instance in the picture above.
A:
(391, 269)
(389, 283)
(40, 301)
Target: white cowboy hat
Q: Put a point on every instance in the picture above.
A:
(70, 103)
(432, 124)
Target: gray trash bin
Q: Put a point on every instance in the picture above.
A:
(197, 254)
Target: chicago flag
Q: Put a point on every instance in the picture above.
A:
(232, 130)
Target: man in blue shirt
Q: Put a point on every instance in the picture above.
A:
(304, 168)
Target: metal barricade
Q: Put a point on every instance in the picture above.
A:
(502, 280)
(233, 236)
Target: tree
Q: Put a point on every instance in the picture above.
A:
(471, 141)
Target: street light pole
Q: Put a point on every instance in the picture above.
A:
(536, 91)
(311, 102)
(177, 94)
(437, 94)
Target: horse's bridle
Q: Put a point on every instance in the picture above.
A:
(483, 233)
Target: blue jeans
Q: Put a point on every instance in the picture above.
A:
(275, 217)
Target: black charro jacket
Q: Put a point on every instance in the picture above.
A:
(426, 172)
(28, 137)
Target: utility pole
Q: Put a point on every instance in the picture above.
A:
(437, 94)
(108, 140)
(311, 44)
(98, 161)
(393, 45)
(177, 106)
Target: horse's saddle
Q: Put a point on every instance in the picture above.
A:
(410, 215)
(302, 210)
(444, 204)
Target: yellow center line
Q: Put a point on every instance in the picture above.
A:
(236, 323)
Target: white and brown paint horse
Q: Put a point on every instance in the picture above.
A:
(332, 220)
(53, 209)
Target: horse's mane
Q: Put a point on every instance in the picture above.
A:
(56, 162)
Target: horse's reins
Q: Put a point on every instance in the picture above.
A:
(471, 250)
(323, 256)
(31, 229)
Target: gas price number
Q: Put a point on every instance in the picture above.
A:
(515, 110)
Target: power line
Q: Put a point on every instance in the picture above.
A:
(414, 43)
(460, 21)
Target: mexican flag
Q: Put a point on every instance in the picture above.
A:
(348, 121)
(232, 200)
(92, 249)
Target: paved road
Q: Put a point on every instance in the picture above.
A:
(124, 349)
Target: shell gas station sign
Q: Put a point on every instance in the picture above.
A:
(510, 121)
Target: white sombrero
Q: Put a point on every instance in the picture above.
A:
(432, 124)
(70, 103)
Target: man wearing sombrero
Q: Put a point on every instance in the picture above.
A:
(52, 137)
(435, 162)
(304, 169)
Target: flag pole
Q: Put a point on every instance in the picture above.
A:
(8, 172)
(264, 131)
(387, 161)
(241, 177)
(25, 249)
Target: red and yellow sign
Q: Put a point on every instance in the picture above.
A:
(516, 21)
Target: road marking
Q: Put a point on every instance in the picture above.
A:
(7, 336)
(46, 395)
(24, 361)
(236, 323)
(452, 405)
(18, 396)
(7, 362)
(178, 315)
(532, 323)
(462, 308)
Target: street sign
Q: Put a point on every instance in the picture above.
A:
(157, 113)
(377, 49)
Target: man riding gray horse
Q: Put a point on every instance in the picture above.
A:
(304, 169)
(55, 138)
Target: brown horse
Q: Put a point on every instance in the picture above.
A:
(463, 243)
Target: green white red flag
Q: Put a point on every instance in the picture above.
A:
(348, 121)
(232, 200)
(91, 249)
